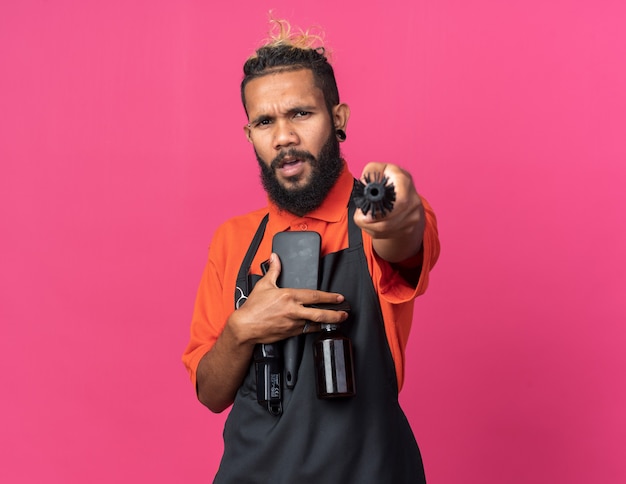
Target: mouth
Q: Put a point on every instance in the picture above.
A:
(290, 167)
(287, 160)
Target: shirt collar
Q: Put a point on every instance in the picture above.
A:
(332, 209)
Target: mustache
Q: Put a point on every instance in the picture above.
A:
(292, 153)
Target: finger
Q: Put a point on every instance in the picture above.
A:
(371, 168)
(307, 297)
(317, 317)
(274, 269)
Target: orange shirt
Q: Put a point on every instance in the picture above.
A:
(215, 298)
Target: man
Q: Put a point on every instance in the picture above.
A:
(377, 264)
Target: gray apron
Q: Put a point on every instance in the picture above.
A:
(364, 439)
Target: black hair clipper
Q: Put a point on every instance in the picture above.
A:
(269, 373)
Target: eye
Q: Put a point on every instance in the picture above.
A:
(301, 114)
(263, 123)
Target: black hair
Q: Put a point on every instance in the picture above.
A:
(281, 57)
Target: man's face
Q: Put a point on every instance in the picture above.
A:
(293, 138)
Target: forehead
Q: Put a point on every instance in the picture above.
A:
(283, 90)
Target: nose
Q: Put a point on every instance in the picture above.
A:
(284, 135)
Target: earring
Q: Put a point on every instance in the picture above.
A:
(341, 134)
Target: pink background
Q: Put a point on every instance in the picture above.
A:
(121, 149)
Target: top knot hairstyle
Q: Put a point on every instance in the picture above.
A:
(287, 51)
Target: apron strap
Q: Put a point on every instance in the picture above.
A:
(354, 232)
(243, 282)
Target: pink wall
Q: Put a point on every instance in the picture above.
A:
(120, 139)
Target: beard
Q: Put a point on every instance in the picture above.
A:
(300, 200)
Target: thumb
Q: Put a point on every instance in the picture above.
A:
(274, 269)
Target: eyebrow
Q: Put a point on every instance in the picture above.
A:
(293, 110)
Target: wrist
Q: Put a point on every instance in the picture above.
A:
(234, 332)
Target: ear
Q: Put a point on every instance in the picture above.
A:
(248, 131)
(341, 114)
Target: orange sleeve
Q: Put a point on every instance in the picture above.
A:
(215, 299)
(214, 302)
(203, 332)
